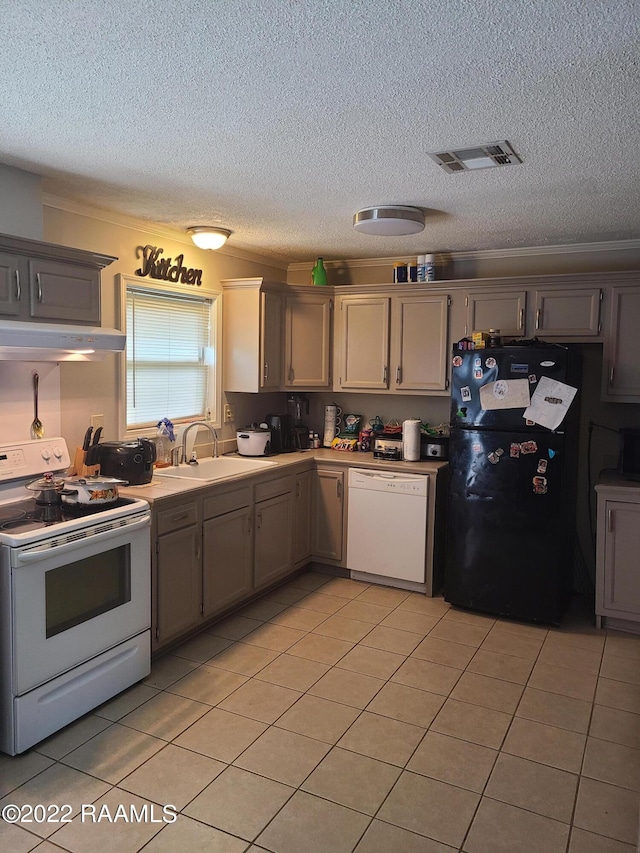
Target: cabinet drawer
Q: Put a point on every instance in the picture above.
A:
(274, 487)
(227, 502)
(177, 517)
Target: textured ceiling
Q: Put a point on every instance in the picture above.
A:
(279, 119)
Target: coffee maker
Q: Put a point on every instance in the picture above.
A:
(282, 439)
(295, 405)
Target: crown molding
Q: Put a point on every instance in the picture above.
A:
(113, 218)
(483, 254)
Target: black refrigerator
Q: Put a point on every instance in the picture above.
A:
(511, 512)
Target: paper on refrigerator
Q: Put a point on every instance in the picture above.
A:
(550, 403)
(505, 394)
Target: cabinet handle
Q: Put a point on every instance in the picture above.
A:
(249, 526)
(521, 321)
(610, 521)
(18, 288)
(39, 283)
(180, 517)
(338, 489)
(538, 317)
(266, 370)
(290, 373)
(385, 375)
(259, 521)
(398, 375)
(612, 371)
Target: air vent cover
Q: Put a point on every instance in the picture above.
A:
(484, 156)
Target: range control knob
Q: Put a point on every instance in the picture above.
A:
(46, 455)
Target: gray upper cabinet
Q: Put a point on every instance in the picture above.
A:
(568, 312)
(503, 309)
(621, 364)
(51, 284)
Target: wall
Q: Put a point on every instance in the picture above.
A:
(20, 203)
(540, 260)
(92, 388)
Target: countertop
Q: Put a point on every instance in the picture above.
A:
(161, 488)
(612, 482)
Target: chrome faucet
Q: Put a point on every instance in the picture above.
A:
(214, 436)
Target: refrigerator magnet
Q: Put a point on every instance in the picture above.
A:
(465, 394)
(542, 466)
(477, 361)
(490, 362)
(514, 450)
(457, 361)
(494, 458)
(540, 485)
(528, 447)
(532, 379)
(477, 373)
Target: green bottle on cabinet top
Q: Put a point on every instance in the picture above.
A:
(319, 273)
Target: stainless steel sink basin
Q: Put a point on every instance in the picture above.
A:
(216, 468)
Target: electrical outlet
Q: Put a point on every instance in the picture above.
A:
(228, 412)
(97, 421)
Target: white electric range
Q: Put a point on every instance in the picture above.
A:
(75, 590)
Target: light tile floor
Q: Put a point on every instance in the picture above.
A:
(332, 716)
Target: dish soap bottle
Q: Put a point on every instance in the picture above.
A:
(164, 438)
(318, 273)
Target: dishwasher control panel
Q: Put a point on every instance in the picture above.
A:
(389, 481)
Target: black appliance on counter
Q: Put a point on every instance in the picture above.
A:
(511, 512)
(281, 427)
(129, 460)
(296, 402)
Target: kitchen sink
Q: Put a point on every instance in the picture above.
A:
(215, 468)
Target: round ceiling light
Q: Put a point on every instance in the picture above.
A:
(392, 220)
(208, 236)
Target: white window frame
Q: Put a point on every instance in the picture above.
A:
(214, 401)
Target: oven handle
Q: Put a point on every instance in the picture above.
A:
(32, 555)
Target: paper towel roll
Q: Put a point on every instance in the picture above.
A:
(411, 440)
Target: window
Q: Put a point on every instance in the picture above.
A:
(170, 356)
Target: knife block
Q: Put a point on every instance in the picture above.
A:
(79, 468)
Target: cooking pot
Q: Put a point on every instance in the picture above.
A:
(131, 461)
(91, 491)
(47, 489)
(254, 440)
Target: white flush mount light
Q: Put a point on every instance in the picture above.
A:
(208, 236)
(485, 156)
(391, 220)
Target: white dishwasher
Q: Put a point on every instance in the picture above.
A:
(387, 527)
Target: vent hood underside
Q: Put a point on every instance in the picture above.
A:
(21, 341)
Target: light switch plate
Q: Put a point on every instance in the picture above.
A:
(97, 421)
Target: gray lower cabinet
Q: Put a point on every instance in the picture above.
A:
(618, 544)
(273, 557)
(227, 550)
(177, 581)
(328, 515)
(302, 521)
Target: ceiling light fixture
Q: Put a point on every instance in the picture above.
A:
(391, 220)
(208, 236)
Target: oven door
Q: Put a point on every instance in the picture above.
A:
(75, 598)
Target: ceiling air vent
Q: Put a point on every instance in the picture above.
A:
(479, 157)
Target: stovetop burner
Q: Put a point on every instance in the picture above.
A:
(30, 514)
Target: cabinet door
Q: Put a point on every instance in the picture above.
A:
(328, 516)
(563, 313)
(308, 341)
(420, 329)
(621, 365)
(13, 283)
(302, 536)
(61, 291)
(364, 342)
(178, 583)
(271, 341)
(496, 309)
(273, 539)
(227, 560)
(618, 583)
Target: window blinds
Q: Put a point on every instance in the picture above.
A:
(168, 339)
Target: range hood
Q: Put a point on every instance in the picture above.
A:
(21, 341)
